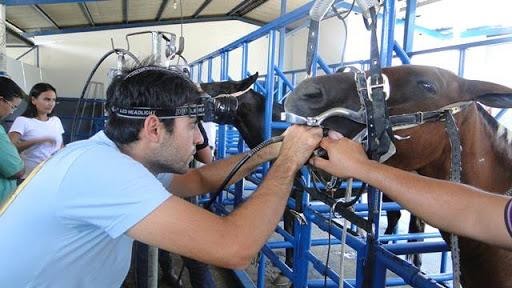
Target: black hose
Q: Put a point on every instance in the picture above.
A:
(239, 165)
(84, 90)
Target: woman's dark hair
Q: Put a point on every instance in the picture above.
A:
(149, 86)
(31, 111)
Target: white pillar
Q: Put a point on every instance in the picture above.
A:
(3, 40)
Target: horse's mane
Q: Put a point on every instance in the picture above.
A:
(503, 136)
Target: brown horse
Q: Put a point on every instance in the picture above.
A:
(486, 145)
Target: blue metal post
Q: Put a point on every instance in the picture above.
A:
(200, 72)
(387, 38)
(280, 57)
(462, 60)
(401, 53)
(239, 186)
(302, 244)
(260, 283)
(410, 17)
(267, 129)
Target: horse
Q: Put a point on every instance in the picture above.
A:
(248, 119)
(425, 148)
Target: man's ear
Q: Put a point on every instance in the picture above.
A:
(151, 128)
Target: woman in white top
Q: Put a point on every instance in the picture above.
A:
(37, 133)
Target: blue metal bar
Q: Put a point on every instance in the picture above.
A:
(280, 125)
(388, 34)
(288, 18)
(437, 277)
(210, 64)
(323, 65)
(322, 268)
(282, 78)
(462, 60)
(464, 46)
(444, 261)
(410, 17)
(501, 113)
(261, 271)
(416, 247)
(277, 262)
(401, 53)
(244, 279)
(280, 57)
(410, 236)
(412, 275)
(302, 246)
(269, 100)
(486, 30)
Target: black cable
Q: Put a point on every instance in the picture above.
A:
(84, 90)
(239, 165)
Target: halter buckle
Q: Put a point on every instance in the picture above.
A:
(384, 86)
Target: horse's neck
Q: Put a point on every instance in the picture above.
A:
(486, 151)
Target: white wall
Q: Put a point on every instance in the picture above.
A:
(67, 59)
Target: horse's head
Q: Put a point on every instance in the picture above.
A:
(251, 107)
(412, 89)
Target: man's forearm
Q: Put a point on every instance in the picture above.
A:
(452, 207)
(268, 202)
(208, 178)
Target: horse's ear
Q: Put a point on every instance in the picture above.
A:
(247, 82)
(489, 94)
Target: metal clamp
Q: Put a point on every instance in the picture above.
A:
(299, 216)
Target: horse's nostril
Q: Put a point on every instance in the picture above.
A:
(314, 95)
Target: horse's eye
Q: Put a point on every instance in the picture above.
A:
(427, 86)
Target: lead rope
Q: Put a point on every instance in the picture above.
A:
(455, 176)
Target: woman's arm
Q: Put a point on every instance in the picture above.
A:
(22, 145)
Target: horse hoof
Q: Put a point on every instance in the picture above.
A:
(281, 281)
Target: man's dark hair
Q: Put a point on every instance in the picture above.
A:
(36, 90)
(9, 89)
(149, 86)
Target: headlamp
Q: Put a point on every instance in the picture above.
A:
(220, 110)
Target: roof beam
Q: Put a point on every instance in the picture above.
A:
(161, 10)
(134, 24)
(87, 13)
(19, 36)
(125, 11)
(245, 7)
(45, 16)
(40, 2)
(201, 8)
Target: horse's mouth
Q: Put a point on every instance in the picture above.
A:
(344, 126)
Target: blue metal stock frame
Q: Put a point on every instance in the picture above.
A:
(316, 213)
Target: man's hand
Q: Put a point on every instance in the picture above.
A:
(298, 144)
(346, 157)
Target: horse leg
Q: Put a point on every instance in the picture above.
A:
(392, 217)
(416, 225)
(288, 219)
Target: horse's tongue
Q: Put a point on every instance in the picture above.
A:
(334, 135)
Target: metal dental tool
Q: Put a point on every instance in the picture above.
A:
(316, 121)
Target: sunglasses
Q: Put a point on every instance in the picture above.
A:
(12, 106)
